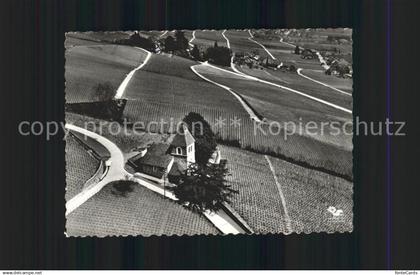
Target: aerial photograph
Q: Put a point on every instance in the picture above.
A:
(208, 132)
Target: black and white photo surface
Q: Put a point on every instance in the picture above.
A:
(184, 132)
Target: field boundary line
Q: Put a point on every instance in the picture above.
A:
(299, 71)
(282, 198)
(251, 113)
(123, 85)
(283, 87)
(251, 38)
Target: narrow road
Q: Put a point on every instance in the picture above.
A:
(115, 170)
(251, 38)
(227, 40)
(245, 105)
(299, 71)
(192, 39)
(288, 225)
(123, 85)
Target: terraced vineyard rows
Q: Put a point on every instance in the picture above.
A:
(309, 194)
(258, 201)
(139, 212)
(297, 82)
(167, 89)
(80, 166)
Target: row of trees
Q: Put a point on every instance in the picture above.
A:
(216, 54)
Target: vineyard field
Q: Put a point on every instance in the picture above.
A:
(88, 66)
(258, 201)
(297, 82)
(307, 193)
(139, 212)
(80, 166)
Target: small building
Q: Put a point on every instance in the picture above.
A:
(166, 161)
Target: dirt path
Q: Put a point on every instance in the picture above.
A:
(192, 39)
(127, 79)
(251, 38)
(288, 225)
(245, 105)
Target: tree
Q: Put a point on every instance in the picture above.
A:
(297, 50)
(170, 44)
(137, 40)
(195, 53)
(103, 92)
(180, 41)
(203, 187)
(205, 139)
(219, 55)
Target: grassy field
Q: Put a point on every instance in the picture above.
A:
(139, 212)
(80, 166)
(308, 194)
(88, 66)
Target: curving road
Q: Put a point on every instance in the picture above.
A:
(115, 171)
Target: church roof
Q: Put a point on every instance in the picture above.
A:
(183, 139)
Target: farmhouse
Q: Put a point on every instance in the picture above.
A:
(164, 162)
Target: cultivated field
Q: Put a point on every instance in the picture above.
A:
(166, 88)
(80, 166)
(297, 82)
(88, 66)
(140, 212)
(125, 139)
(206, 39)
(277, 104)
(258, 201)
(343, 84)
(308, 194)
